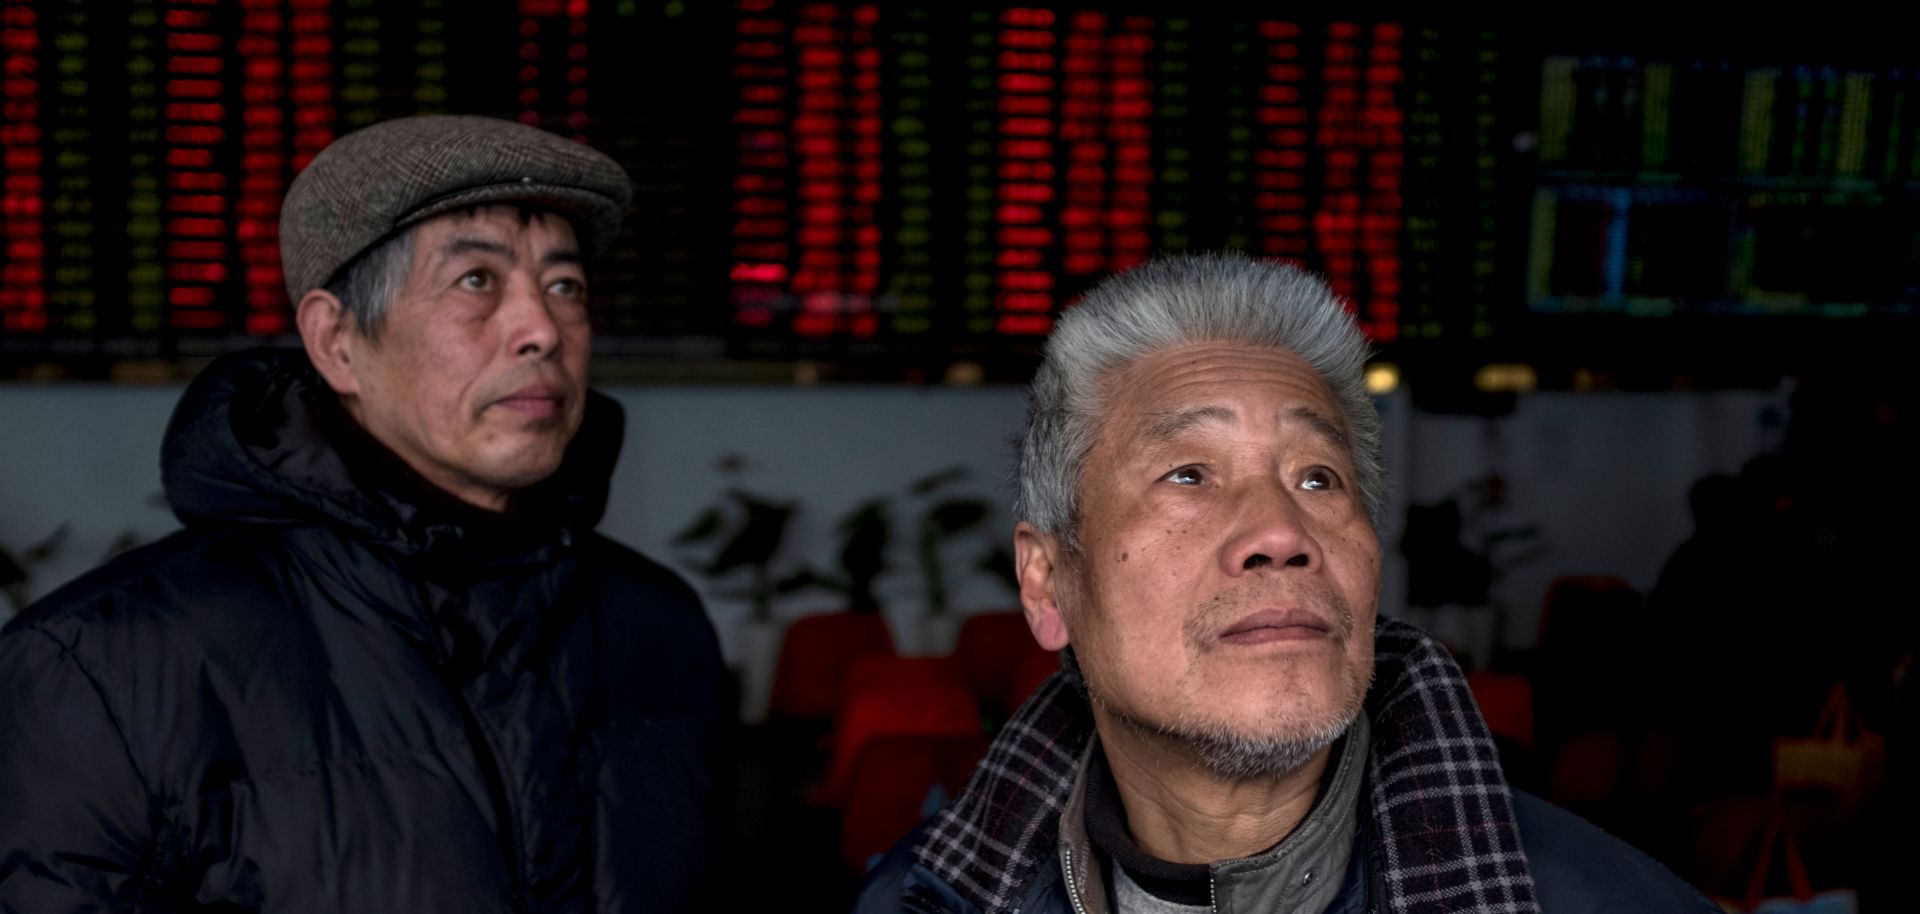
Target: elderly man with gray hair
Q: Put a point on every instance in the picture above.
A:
(1234, 728)
(387, 665)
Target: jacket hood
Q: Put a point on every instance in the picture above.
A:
(259, 438)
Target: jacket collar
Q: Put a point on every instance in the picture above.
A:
(1302, 872)
(258, 437)
(1444, 833)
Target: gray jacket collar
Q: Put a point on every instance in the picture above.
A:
(1301, 873)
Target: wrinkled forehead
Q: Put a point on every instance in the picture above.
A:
(1173, 390)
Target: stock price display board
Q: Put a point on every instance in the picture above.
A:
(1674, 187)
(908, 185)
(899, 184)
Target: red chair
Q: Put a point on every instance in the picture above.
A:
(1586, 773)
(898, 780)
(1506, 701)
(988, 652)
(886, 672)
(815, 656)
(900, 709)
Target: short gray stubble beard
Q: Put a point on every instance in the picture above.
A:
(1237, 756)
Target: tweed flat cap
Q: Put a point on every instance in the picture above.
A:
(371, 183)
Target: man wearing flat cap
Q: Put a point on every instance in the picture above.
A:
(388, 665)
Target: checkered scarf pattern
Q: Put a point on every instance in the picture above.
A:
(1444, 830)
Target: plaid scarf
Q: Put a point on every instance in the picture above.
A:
(1445, 836)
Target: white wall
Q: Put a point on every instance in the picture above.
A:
(87, 455)
(828, 449)
(1605, 474)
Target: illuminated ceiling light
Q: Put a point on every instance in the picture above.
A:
(1506, 378)
(965, 374)
(1383, 378)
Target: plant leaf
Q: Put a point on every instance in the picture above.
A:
(706, 525)
(951, 517)
(932, 481)
(40, 551)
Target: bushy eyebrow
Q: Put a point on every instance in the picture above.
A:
(1170, 425)
(1324, 426)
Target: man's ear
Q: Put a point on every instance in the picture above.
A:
(331, 339)
(1037, 562)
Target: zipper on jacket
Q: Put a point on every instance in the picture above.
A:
(506, 824)
(1073, 885)
(503, 815)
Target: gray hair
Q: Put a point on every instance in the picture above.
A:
(1166, 303)
(370, 282)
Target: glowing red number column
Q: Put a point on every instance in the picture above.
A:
(262, 166)
(311, 82)
(1383, 133)
(1023, 289)
(1129, 118)
(1280, 164)
(1106, 112)
(23, 302)
(1083, 212)
(531, 13)
(761, 221)
(836, 134)
(1336, 223)
(196, 196)
(577, 69)
(551, 18)
(816, 142)
(863, 278)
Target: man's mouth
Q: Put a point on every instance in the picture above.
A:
(1269, 625)
(535, 401)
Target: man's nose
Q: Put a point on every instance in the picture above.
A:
(532, 330)
(1270, 531)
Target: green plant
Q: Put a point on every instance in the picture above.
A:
(749, 529)
(864, 532)
(16, 571)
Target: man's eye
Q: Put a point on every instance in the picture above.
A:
(476, 280)
(569, 288)
(1320, 478)
(1185, 476)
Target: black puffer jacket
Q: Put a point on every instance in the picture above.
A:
(339, 690)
